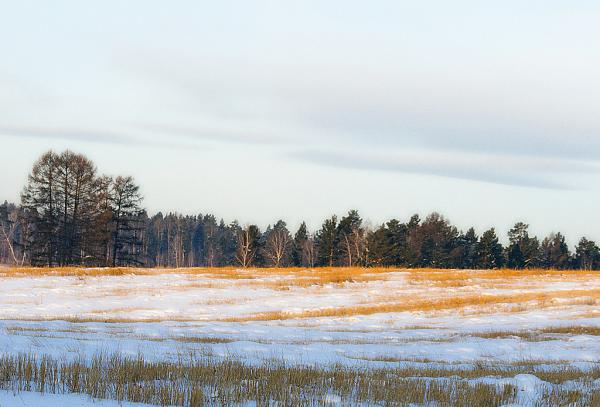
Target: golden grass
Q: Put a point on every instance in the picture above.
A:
(459, 278)
(410, 291)
(286, 278)
(588, 314)
(420, 305)
(344, 272)
(70, 271)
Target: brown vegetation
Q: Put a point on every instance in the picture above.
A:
(423, 305)
(204, 381)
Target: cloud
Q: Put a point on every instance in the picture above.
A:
(461, 105)
(92, 136)
(85, 135)
(496, 169)
(196, 133)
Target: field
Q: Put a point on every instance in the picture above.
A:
(340, 336)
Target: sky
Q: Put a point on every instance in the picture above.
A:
(488, 112)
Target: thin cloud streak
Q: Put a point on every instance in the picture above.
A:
(210, 134)
(397, 106)
(91, 136)
(496, 169)
(85, 135)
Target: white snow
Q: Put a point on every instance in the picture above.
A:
(169, 314)
(32, 399)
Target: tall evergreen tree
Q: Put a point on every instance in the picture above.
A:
(432, 241)
(464, 254)
(396, 236)
(412, 253)
(489, 251)
(299, 246)
(40, 203)
(379, 247)
(125, 200)
(326, 241)
(523, 251)
(587, 255)
(555, 252)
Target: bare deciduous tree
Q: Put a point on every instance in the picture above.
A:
(278, 244)
(247, 245)
(8, 227)
(308, 251)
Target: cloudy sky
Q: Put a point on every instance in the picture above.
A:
(488, 112)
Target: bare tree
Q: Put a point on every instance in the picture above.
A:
(247, 239)
(308, 251)
(278, 245)
(8, 227)
(351, 239)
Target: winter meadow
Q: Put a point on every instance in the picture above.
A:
(188, 310)
(264, 203)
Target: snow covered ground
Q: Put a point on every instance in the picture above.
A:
(367, 319)
(374, 339)
(32, 399)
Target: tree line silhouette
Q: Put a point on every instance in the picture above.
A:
(70, 215)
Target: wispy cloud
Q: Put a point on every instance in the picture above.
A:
(64, 133)
(489, 108)
(497, 169)
(203, 133)
(91, 136)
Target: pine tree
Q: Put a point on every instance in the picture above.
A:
(412, 252)
(489, 251)
(39, 201)
(523, 251)
(379, 247)
(299, 246)
(555, 252)
(326, 242)
(463, 254)
(125, 200)
(587, 255)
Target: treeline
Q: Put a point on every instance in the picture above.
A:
(69, 215)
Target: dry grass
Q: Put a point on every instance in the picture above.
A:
(71, 271)
(401, 290)
(322, 275)
(513, 302)
(201, 339)
(543, 334)
(422, 305)
(507, 278)
(16, 330)
(204, 381)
